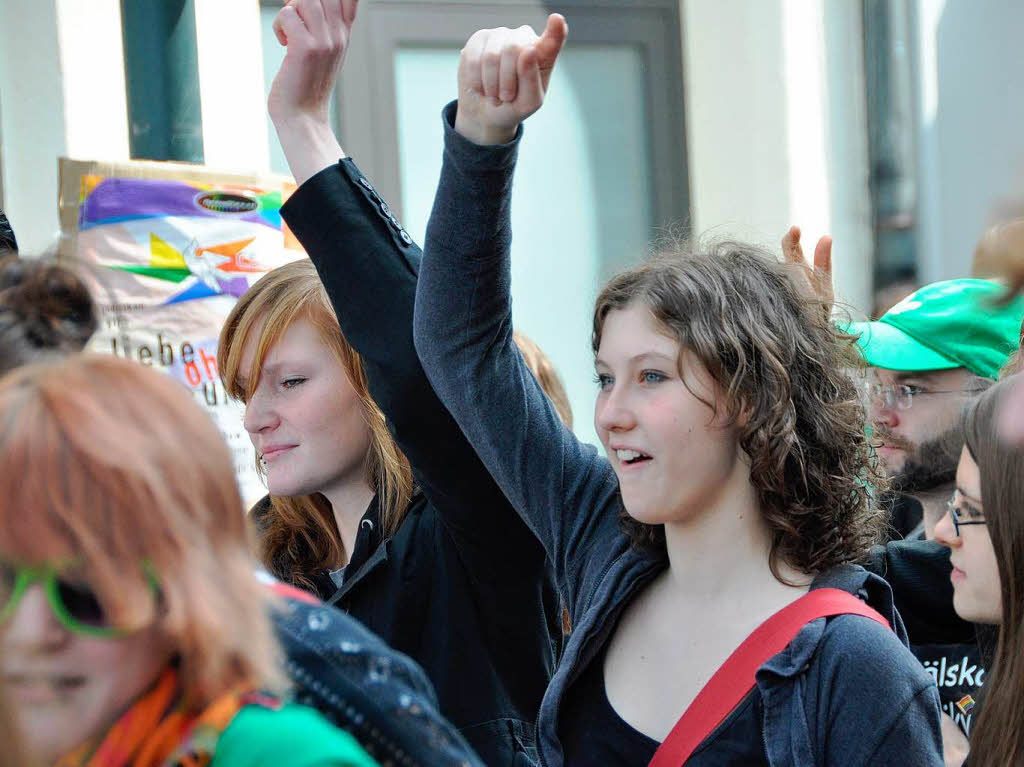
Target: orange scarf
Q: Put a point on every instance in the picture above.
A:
(157, 732)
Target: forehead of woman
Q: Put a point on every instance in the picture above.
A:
(1000, 463)
(264, 315)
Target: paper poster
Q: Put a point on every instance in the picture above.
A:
(166, 250)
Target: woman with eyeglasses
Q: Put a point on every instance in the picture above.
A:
(132, 628)
(984, 531)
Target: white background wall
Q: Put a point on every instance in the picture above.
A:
(971, 113)
(776, 126)
(32, 114)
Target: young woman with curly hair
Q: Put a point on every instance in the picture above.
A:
(737, 479)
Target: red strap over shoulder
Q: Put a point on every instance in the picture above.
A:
(735, 678)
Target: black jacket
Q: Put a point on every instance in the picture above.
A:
(462, 587)
(363, 686)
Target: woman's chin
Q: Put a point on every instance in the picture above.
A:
(972, 612)
(646, 513)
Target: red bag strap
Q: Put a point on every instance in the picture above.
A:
(735, 678)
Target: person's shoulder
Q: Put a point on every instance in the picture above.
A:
(292, 734)
(859, 649)
(873, 700)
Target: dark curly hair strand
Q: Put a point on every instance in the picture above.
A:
(782, 368)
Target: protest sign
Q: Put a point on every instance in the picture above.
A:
(166, 250)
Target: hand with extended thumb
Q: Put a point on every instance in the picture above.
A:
(503, 77)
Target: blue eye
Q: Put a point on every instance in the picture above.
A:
(291, 383)
(603, 381)
(652, 376)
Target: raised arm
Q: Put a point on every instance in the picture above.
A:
(565, 491)
(368, 265)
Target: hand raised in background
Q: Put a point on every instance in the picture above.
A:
(503, 78)
(820, 277)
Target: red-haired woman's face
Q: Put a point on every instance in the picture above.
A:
(670, 458)
(67, 688)
(305, 417)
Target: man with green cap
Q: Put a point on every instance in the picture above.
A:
(929, 355)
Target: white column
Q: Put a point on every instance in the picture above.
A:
(92, 55)
(845, 160)
(61, 93)
(228, 38)
(32, 111)
(736, 117)
(776, 127)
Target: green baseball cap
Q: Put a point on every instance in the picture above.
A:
(950, 324)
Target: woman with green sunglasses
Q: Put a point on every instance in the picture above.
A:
(73, 602)
(133, 632)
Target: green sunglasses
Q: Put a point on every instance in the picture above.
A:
(75, 604)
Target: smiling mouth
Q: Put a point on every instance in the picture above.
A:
(631, 457)
(270, 455)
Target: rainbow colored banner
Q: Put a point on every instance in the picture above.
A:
(167, 249)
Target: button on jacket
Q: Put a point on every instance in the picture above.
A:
(462, 587)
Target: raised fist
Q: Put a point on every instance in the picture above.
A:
(316, 33)
(503, 77)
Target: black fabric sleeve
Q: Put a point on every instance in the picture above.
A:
(368, 264)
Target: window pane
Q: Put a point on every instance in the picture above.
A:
(581, 207)
(273, 55)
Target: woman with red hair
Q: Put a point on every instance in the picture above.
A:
(132, 628)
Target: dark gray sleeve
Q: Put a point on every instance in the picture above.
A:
(564, 490)
(912, 737)
(876, 704)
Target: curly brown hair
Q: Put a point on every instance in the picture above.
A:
(781, 366)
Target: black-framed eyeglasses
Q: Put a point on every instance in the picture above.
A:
(901, 396)
(961, 519)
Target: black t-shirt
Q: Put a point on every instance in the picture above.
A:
(592, 733)
(959, 673)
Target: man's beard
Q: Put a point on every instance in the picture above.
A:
(928, 465)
